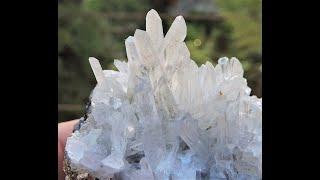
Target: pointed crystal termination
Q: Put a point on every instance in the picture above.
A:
(162, 117)
(154, 28)
(97, 69)
(131, 50)
(176, 33)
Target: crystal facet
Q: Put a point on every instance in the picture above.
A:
(162, 117)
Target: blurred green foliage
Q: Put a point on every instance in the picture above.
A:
(86, 29)
(122, 5)
(239, 35)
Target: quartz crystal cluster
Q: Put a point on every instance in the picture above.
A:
(162, 117)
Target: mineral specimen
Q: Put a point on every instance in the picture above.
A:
(162, 117)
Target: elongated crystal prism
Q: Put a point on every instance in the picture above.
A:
(162, 117)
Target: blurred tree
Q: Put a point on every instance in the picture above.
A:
(238, 35)
(81, 34)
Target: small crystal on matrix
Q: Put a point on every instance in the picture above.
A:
(162, 117)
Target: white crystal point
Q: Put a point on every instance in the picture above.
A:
(230, 68)
(97, 69)
(161, 117)
(154, 28)
(236, 67)
(176, 33)
(178, 30)
(223, 60)
(131, 50)
(121, 66)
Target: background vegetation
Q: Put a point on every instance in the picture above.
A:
(99, 27)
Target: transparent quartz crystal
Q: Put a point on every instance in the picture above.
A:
(162, 117)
